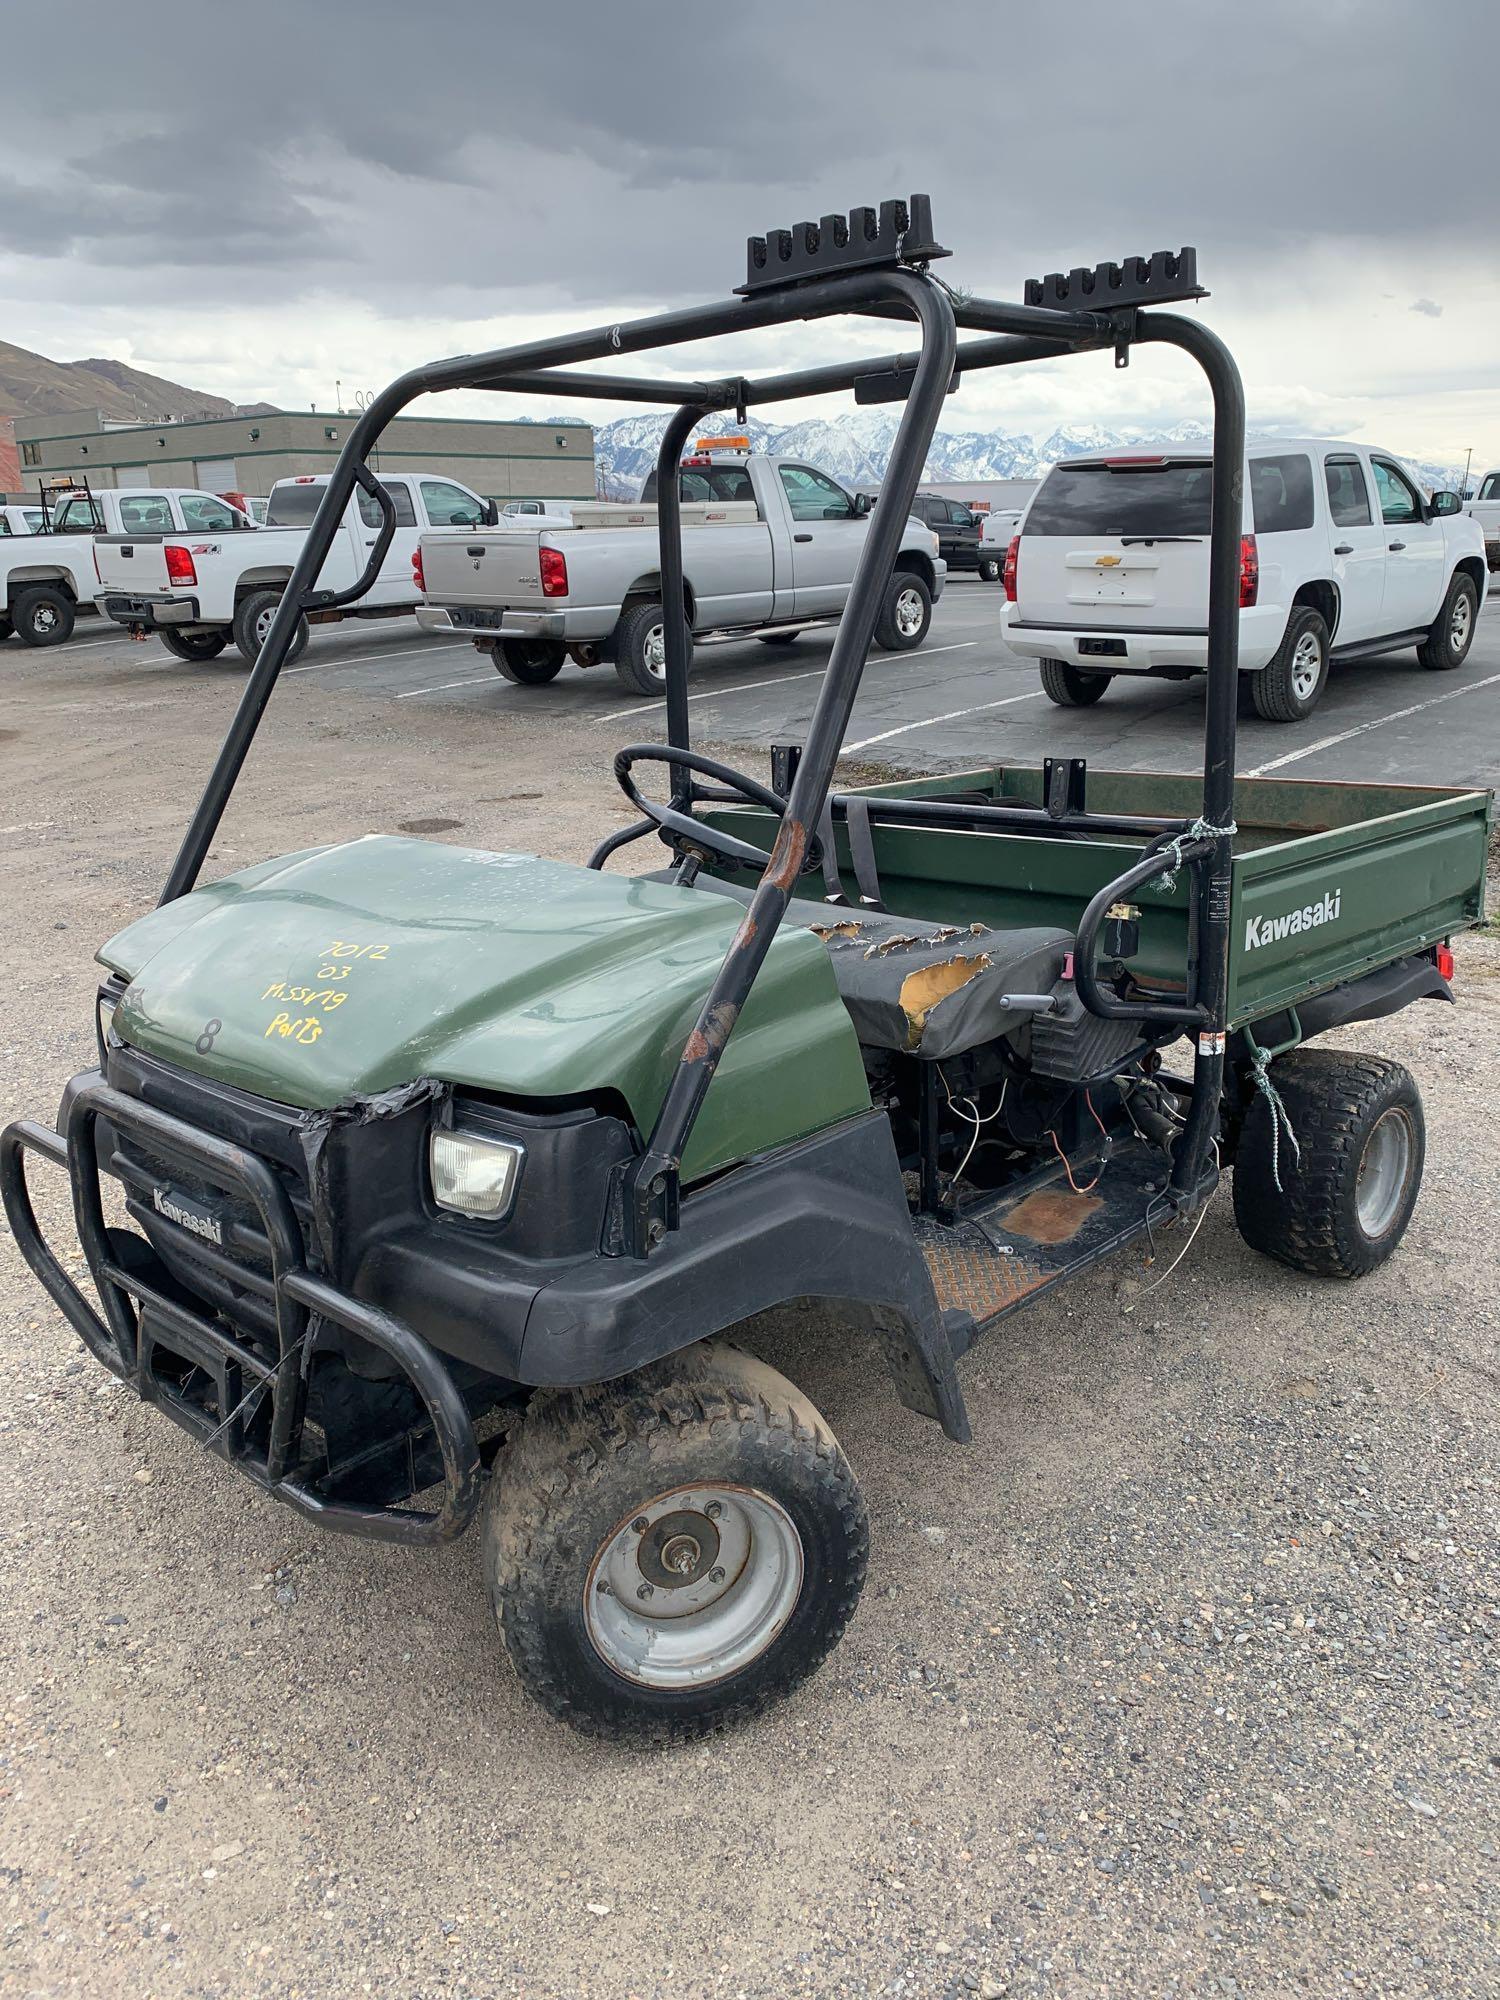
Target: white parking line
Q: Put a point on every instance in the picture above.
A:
(365, 659)
(751, 687)
(472, 680)
(1359, 729)
(928, 721)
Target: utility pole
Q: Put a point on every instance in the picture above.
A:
(1468, 461)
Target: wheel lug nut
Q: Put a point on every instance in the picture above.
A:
(714, 1509)
(716, 1576)
(646, 1590)
(640, 1524)
(603, 1588)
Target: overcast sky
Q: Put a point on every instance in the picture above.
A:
(259, 200)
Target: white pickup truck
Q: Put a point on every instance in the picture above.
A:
(1485, 509)
(1342, 558)
(19, 520)
(197, 594)
(45, 581)
(768, 547)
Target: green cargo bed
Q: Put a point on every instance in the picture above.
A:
(1329, 881)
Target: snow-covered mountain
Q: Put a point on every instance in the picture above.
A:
(856, 449)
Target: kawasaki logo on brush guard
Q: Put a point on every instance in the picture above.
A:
(192, 1219)
(1268, 930)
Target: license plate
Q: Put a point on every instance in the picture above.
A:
(485, 619)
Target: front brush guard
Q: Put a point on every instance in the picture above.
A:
(122, 1340)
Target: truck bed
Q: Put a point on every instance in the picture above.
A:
(1329, 880)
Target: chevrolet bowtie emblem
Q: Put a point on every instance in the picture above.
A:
(1106, 562)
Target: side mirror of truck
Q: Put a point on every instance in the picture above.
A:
(490, 518)
(862, 503)
(1445, 503)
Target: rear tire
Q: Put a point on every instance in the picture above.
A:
(44, 615)
(778, 638)
(718, 1456)
(195, 645)
(640, 648)
(1071, 687)
(905, 614)
(528, 662)
(989, 569)
(1343, 1206)
(252, 622)
(1290, 687)
(1447, 643)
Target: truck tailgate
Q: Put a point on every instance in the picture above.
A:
(490, 566)
(135, 563)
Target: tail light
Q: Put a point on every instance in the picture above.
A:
(554, 570)
(418, 574)
(1444, 960)
(179, 564)
(1249, 572)
(1012, 566)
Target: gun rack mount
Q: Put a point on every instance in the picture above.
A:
(860, 241)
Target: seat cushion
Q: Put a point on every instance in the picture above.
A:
(930, 989)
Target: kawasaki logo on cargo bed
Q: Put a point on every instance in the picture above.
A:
(1269, 930)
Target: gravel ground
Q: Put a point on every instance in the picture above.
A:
(1179, 1682)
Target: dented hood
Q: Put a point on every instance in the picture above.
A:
(347, 970)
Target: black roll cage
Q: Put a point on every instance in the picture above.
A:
(825, 279)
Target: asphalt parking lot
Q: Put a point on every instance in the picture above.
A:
(962, 699)
(1179, 1682)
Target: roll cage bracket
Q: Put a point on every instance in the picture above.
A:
(872, 267)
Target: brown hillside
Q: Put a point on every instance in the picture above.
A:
(33, 386)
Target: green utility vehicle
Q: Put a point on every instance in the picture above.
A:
(433, 1169)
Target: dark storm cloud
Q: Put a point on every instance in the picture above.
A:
(606, 151)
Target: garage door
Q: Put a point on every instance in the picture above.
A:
(216, 475)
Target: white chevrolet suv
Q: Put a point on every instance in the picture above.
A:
(1342, 557)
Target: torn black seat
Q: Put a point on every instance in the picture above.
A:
(930, 989)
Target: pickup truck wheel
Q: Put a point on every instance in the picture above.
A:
(671, 1552)
(1347, 1195)
(6, 628)
(640, 649)
(1289, 687)
(528, 662)
(1071, 687)
(905, 615)
(252, 622)
(1447, 644)
(44, 615)
(195, 645)
(778, 638)
(989, 569)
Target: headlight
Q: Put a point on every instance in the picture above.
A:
(936, 545)
(104, 1015)
(474, 1176)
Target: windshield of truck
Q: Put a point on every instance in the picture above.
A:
(706, 482)
(1128, 497)
(1490, 490)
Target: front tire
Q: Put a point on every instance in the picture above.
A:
(252, 624)
(778, 638)
(1343, 1206)
(1447, 643)
(528, 662)
(672, 1552)
(44, 615)
(905, 614)
(195, 645)
(989, 569)
(1071, 687)
(1290, 686)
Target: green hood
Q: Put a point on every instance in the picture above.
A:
(347, 970)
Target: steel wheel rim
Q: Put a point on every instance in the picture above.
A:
(693, 1586)
(655, 652)
(1307, 665)
(263, 626)
(44, 618)
(1459, 624)
(909, 613)
(1384, 1172)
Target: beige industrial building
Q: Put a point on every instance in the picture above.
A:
(501, 460)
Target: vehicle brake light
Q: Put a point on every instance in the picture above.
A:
(1444, 959)
(179, 564)
(554, 570)
(418, 574)
(1012, 568)
(1249, 572)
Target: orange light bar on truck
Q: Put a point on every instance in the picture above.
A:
(722, 444)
